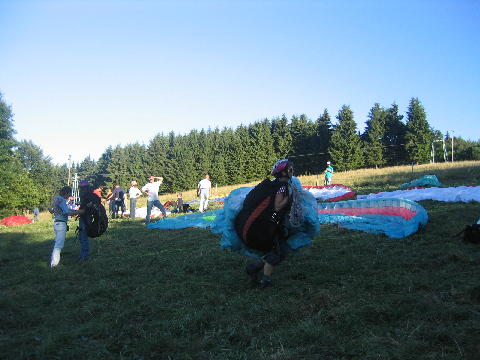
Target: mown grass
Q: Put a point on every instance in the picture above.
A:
(153, 294)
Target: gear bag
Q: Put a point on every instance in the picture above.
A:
(257, 223)
(95, 215)
(471, 234)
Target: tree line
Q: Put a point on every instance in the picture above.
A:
(230, 156)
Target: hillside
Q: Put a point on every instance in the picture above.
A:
(153, 294)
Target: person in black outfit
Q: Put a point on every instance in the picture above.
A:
(261, 228)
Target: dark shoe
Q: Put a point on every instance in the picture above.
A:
(265, 283)
(252, 271)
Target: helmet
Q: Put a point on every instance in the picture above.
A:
(279, 166)
(83, 183)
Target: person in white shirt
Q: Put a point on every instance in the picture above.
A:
(133, 194)
(203, 190)
(151, 189)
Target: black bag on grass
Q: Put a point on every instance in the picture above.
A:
(471, 234)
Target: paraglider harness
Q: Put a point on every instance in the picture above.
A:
(95, 216)
(471, 234)
(258, 225)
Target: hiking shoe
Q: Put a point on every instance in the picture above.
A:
(265, 283)
(252, 271)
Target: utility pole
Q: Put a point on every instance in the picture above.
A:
(69, 169)
(452, 146)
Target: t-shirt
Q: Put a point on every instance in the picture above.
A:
(134, 192)
(329, 171)
(60, 209)
(152, 190)
(205, 184)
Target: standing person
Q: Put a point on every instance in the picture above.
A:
(133, 194)
(111, 202)
(119, 195)
(86, 196)
(328, 174)
(151, 189)
(117, 201)
(260, 222)
(179, 202)
(36, 212)
(203, 190)
(61, 213)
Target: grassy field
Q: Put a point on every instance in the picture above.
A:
(153, 294)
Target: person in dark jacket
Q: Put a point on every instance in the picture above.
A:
(262, 228)
(86, 198)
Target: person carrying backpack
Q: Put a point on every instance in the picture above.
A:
(260, 222)
(93, 220)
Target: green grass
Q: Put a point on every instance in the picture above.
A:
(153, 294)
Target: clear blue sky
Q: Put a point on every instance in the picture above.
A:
(103, 73)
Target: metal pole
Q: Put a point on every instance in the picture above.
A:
(452, 147)
(69, 169)
(433, 154)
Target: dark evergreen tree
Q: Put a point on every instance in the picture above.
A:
(322, 141)
(345, 146)
(419, 135)
(394, 137)
(102, 177)
(157, 151)
(87, 170)
(282, 137)
(235, 157)
(204, 153)
(136, 155)
(180, 166)
(373, 137)
(218, 172)
(303, 133)
(260, 150)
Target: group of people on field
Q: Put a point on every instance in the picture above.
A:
(62, 208)
(260, 224)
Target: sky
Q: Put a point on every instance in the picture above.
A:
(81, 76)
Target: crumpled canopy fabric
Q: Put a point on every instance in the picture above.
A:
(224, 223)
(15, 220)
(449, 194)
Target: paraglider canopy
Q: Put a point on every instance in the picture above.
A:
(15, 220)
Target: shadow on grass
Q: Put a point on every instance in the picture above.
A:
(175, 295)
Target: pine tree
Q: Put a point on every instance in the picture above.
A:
(218, 172)
(181, 166)
(87, 170)
(322, 141)
(394, 137)
(235, 157)
(373, 136)
(303, 133)
(102, 177)
(156, 159)
(345, 145)
(282, 137)
(419, 135)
